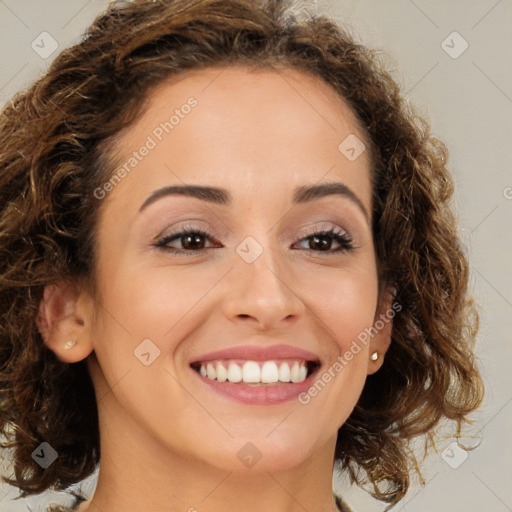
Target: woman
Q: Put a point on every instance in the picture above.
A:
(173, 308)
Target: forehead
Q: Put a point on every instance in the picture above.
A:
(299, 94)
(277, 127)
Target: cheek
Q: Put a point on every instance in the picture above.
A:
(345, 301)
(162, 303)
(159, 304)
(345, 307)
(141, 313)
(149, 301)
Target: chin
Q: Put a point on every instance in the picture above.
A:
(258, 454)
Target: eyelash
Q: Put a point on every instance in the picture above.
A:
(340, 236)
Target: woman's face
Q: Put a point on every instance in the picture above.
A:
(259, 277)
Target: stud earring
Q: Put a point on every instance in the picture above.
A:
(374, 356)
(69, 344)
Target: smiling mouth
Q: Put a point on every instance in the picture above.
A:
(256, 373)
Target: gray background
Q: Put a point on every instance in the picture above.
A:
(469, 102)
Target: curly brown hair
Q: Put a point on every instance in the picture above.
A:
(55, 139)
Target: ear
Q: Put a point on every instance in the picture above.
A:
(64, 320)
(382, 328)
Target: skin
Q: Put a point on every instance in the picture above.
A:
(169, 443)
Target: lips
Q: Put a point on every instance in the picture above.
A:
(276, 391)
(252, 393)
(259, 353)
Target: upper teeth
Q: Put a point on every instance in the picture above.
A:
(250, 372)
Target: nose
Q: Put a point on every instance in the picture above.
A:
(262, 292)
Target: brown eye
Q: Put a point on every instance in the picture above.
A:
(321, 241)
(191, 240)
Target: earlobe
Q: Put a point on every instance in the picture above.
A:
(63, 321)
(383, 324)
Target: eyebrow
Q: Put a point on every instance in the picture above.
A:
(221, 196)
